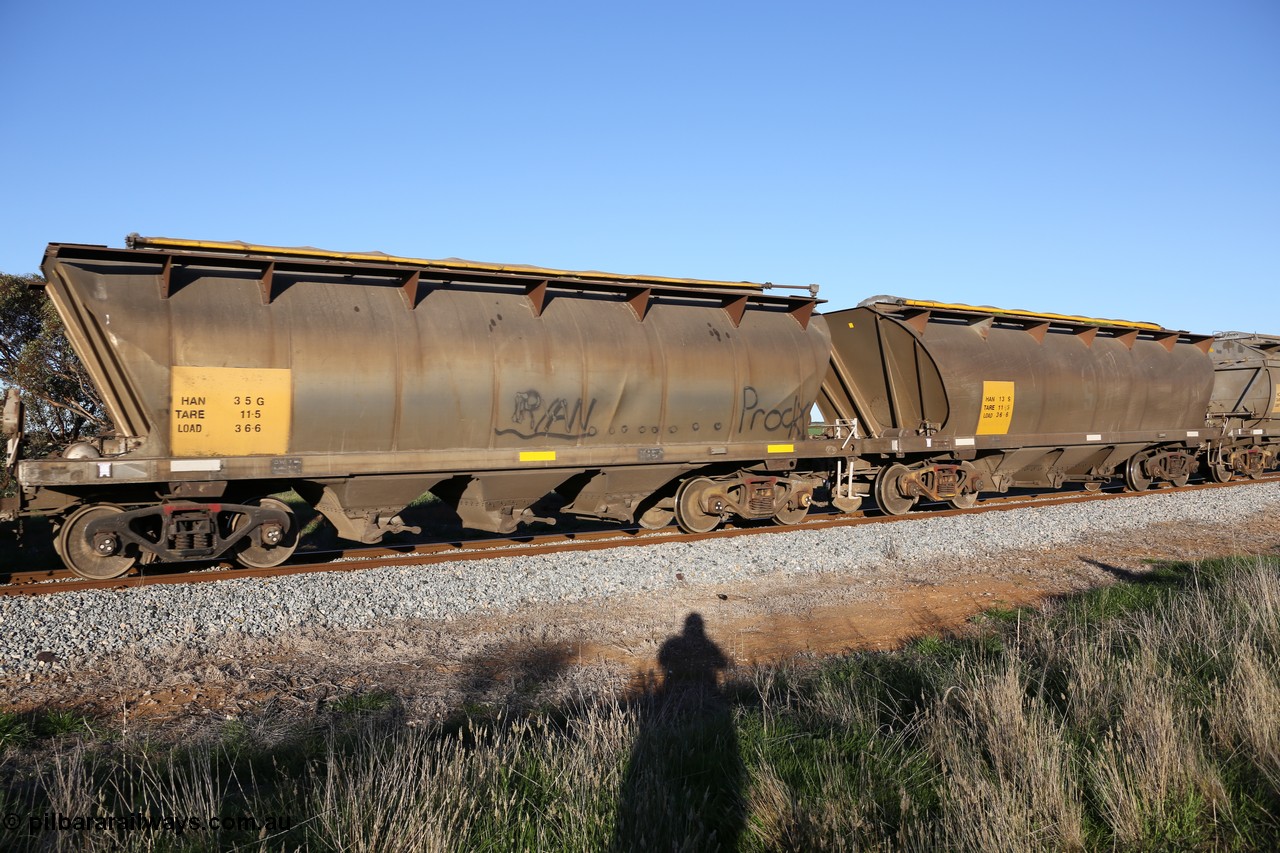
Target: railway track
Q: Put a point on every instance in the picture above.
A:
(49, 581)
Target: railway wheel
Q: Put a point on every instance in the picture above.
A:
(690, 513)
(966, 500)
(889, 495)
(1180, 480)
(1217, 468)
(258, 552)
(793, 513)
(79, 553)
(1134, 477)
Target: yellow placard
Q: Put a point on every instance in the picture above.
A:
(537, 456)
(782, 448)
(997, 408)
(230, 411)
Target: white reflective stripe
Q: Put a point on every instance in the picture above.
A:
(195, 465)
(104, 469)
(1093, 437)
(964, 442)
(1193, 433)
(1257, 432)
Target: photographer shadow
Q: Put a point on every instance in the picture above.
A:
(683, 788)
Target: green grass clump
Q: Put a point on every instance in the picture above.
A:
(362, 703)
(14, 730)
(56, 722)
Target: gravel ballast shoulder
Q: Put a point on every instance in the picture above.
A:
(72, 630)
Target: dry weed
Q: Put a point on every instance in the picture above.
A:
(1007, 764)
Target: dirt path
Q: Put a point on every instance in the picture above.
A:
(548, 654)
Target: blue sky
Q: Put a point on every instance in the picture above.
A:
(1120, 159)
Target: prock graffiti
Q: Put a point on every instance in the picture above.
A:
(790, 419)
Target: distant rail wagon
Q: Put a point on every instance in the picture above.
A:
(1245, 407)
(954, 399)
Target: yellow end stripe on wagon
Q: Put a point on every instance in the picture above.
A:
(782, 448)
(452, 263)
(537, 456)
